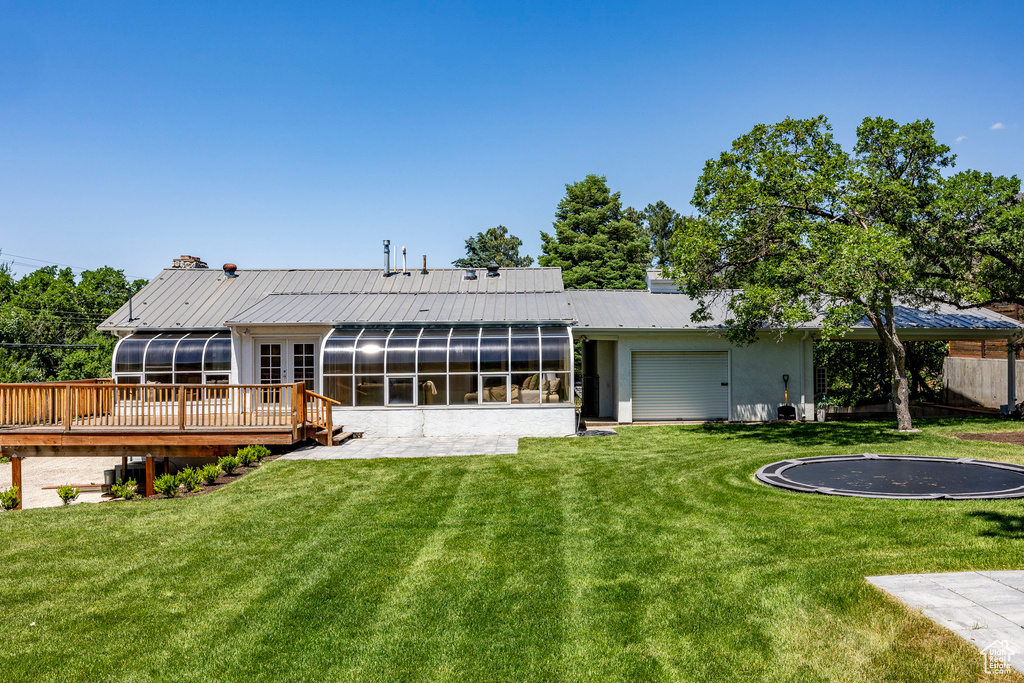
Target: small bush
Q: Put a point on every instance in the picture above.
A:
(167, 484)
(68, 493)
(4, 459)
(190, 479)
(9, 498)
(260, 451)
(125, 489)
(245, 456)
(228, 464)
(209, 474)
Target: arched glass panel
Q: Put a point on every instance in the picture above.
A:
(463, 351)
(129, 355)
(189, 356)
(370, 352)
(401, 357)
(525, 350)
(338, 353)
(218, 355)
(494, 350)
(556, 350)
(433, 351)
(160, 355)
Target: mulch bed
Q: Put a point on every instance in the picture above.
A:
(222, 481)
(997, 437)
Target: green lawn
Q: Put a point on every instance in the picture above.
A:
(650, 555)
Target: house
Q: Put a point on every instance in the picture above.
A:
(477, 351)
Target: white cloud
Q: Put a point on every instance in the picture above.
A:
(997, 126)
(961, 138)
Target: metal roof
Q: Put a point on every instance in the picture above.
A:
(207, 298)
(644, 310)
(379, 307)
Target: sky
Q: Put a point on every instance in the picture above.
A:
(301, 134)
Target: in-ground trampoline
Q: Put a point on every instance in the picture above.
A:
(897, 476)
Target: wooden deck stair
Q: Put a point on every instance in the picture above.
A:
(338, 436)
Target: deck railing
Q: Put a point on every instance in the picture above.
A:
(317, 412)
(83, 405)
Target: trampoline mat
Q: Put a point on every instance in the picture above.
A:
(905, 476)
(891, 476)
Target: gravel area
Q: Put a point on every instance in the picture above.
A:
(39, 472)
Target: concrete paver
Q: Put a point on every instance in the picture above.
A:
(418, 447)
(985, 608)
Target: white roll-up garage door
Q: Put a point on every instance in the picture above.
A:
(680, 385)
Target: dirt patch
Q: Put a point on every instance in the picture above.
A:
(996, 437)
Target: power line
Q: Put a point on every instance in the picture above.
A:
(53, 263)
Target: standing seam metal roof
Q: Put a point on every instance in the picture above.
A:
(207, 298)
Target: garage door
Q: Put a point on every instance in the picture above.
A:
(680, 385)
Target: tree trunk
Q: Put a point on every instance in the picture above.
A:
(885, 326)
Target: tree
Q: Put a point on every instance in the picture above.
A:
(48, 323)
(495, 245)
(594, 244)
(972, 243)
(660, 223)
(792, 227)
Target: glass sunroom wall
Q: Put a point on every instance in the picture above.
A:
(464, 366)
(173, 358)
(454, 366)
(556, 365)
(338, 362)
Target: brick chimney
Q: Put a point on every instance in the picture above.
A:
(186, 261)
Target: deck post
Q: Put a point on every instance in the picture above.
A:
(16, 479)
(295, 411)
(150, 474)
(330, 424)
(124, 468)
(67, 408)
(181, 408)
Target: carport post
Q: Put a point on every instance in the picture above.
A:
(1011, 376)
(16, 479)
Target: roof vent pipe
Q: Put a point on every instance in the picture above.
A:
(492, 270)
(470, 274)
(387, 258)
(405, 265)
(424, 271)
(229, 270)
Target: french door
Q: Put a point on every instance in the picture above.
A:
(283, 361)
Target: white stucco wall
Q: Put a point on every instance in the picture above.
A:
(489, 421)
(755, 375)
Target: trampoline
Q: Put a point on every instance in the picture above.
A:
(897, 476)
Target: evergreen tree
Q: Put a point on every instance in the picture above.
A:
(495, 245)
(594, 244)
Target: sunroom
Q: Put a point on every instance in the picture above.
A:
(449, 366)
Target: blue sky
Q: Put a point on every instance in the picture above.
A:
(300, 134)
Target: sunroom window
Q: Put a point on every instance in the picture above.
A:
(449, 366)
(173, 358)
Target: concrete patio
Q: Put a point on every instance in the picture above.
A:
(426, 447)
(984, 608)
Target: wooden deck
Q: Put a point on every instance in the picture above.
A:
(99, 418)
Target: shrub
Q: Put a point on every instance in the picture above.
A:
(4, 459)
(210, 473)
(245, 456)
(167, 484)
(68, 493)
(260, 451)
(9, 498)
(228, 464)
(190, 479)
(125, 489)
